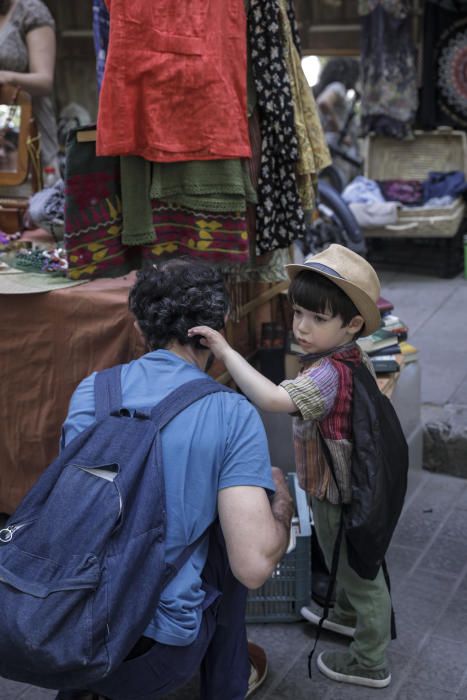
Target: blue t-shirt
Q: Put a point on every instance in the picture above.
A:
(216, 443)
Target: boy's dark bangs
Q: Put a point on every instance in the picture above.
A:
(314, 292)
(307, 290)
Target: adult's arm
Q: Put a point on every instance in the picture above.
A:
(256, 531)
(41, 45)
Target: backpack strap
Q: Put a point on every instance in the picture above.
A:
(173, 404)
(335, 552)
(182, 397)
(108, 391)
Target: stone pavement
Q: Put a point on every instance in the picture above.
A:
(428, 566)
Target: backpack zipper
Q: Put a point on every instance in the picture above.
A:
(6, 534)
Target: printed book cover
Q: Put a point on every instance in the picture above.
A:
(381, 338)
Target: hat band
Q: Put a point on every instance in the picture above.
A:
(324, 268)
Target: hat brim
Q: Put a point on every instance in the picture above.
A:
(366, 306)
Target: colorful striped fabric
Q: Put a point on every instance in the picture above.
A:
(322, 393)
(212, 237)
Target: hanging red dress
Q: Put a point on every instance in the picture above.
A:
(175, 81)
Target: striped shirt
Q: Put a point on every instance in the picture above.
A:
(322, 393)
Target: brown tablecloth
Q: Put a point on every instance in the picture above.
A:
(48, 343)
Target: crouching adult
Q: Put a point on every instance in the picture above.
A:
(218, 479)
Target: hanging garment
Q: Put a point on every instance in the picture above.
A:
(313, 153)
(279, 215)
(214, 185)
(101, 28)
(396, 8)
(93, 213)
(388, 68)
(175, 81)
(443, 99)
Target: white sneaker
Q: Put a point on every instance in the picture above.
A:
(330, 625)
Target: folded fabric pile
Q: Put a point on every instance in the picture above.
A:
(376, 203)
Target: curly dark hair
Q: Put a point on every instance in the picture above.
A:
(174, 296)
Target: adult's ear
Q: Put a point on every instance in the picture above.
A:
(140, 332)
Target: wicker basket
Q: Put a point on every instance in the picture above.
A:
(281, 598)
(387, 159)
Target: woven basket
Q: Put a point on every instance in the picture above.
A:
(387, 159)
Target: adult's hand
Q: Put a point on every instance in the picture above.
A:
(6, 77)
(282, 503)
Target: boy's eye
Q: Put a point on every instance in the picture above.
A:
(320, 319)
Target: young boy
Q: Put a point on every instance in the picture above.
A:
(333, 295)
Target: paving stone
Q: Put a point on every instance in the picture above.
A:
(462, 694)
(421, 600)
(456, 524)
(440, 494)
(400, 561)
(416, 691)
(410, 637)
(441, 664)
(446, 554)
(418, 525)
(10, 690)
(453, 622)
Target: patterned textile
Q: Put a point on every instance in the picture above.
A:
(279, 214)
(409, 192)
(322, 393)
(93, 214)
(388, 68)
(210, 237)
(313, 153)
(443, 100)
(294, 26)
(101, 29)
(254, 167)
(94, 222)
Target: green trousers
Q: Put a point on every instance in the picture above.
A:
(359, 602)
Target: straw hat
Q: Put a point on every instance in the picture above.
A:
(353, 274)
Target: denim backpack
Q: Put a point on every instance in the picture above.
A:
(82, 560)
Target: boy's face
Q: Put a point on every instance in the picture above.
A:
(318, 332)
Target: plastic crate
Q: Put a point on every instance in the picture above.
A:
(288, 590)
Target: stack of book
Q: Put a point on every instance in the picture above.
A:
(386, 345)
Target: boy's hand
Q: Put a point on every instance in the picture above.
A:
(211, 339)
